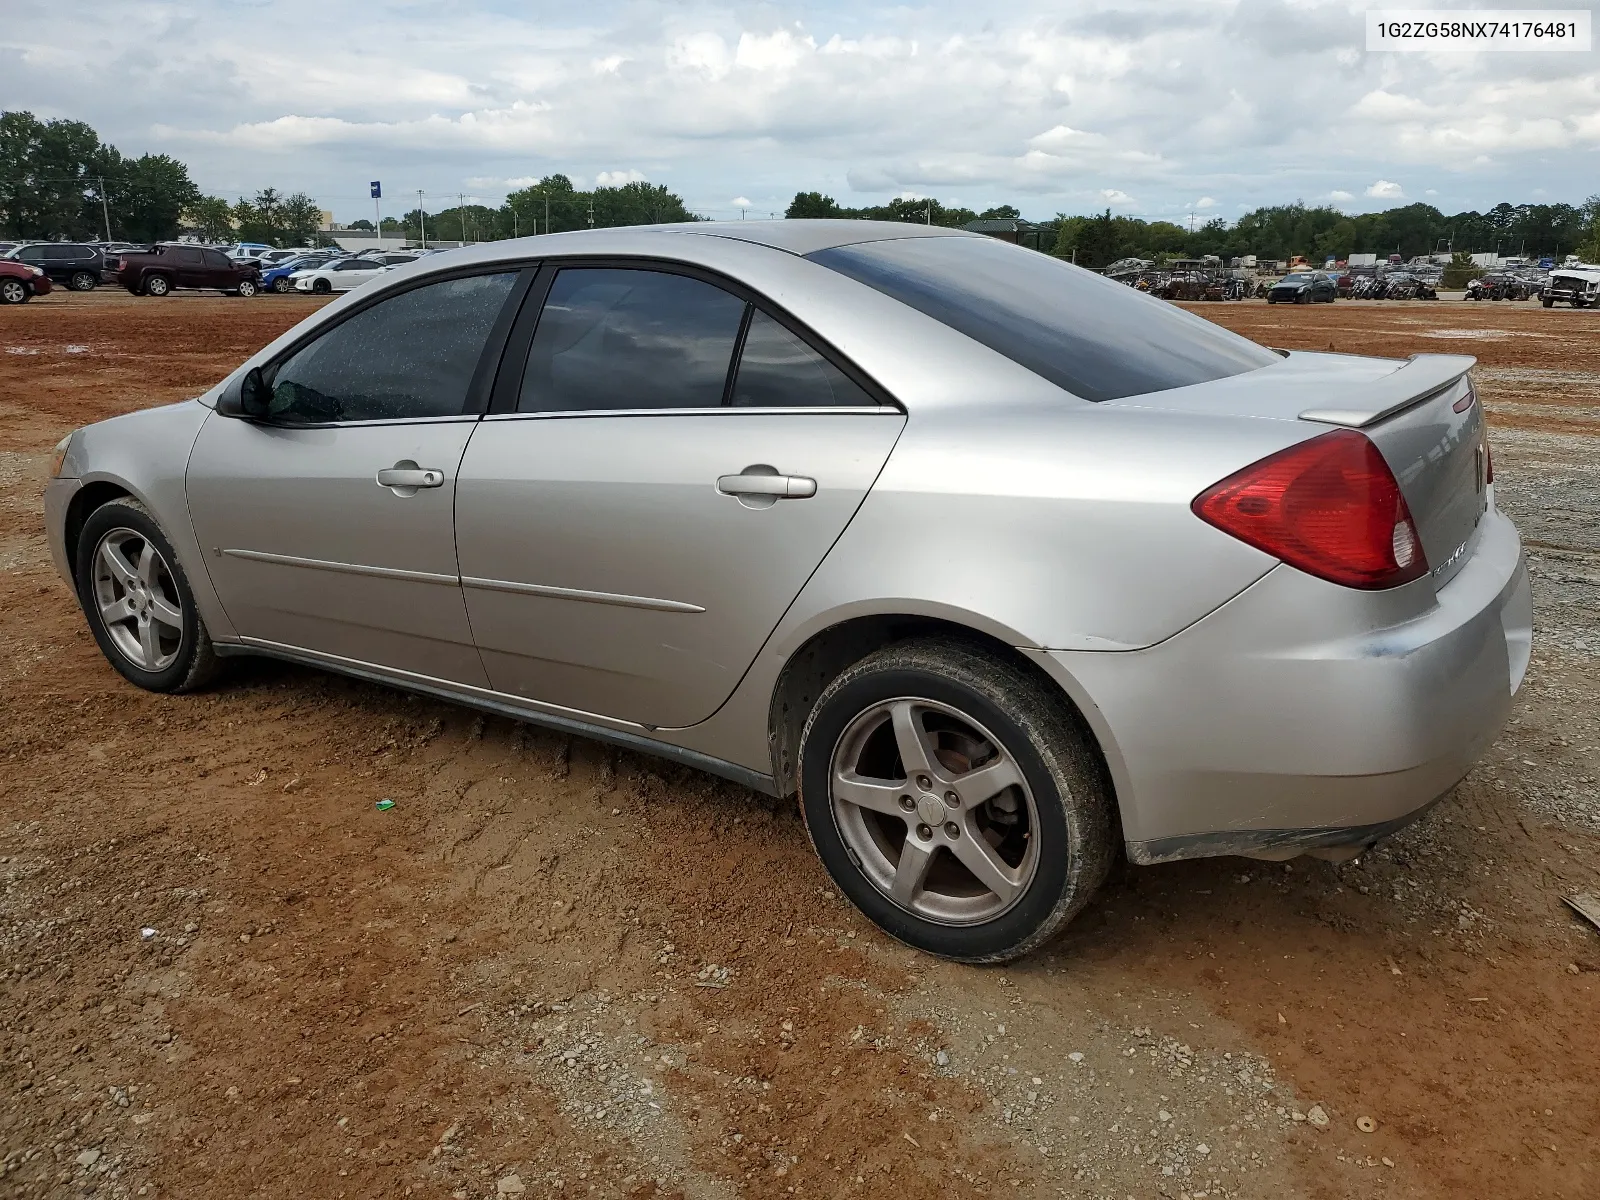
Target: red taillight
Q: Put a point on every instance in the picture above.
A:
(1329, 506)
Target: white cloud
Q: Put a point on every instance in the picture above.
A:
(1052, 107)
(618, 178)
(1116, 196)
(1431, 192)
(1205, 202)
(1339, 197)
(740, 202)
(1383, 189)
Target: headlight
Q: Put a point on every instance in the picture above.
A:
(60, 455)
(35, 271)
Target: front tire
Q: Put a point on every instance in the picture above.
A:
(14, 291)
(138, 602)
(246, 288)
(321, 287)
(282, 285)
(956, 799)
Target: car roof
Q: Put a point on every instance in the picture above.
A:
(808, 236)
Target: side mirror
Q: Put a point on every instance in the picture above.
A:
(249, 398)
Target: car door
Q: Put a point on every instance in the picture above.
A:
(328, 526)
(637, 514)
(353, 274)
(219, 272)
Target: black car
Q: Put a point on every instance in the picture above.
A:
(72, 264)
(1304, 287)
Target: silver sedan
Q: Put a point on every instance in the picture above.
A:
(999, 566)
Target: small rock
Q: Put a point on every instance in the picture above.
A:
(1297, 1116)
(1076, 1056)
(1316, 1116)
(88, 1158)
(941, 1059)
(1366, 1124)
(1388, 1162)
(232, 1093)
(510, 1185)
(1163, 1116)
(147, 933)
(1202, 1148)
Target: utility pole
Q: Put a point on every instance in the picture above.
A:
(591, 212)
(461, 202)
(377, 211)
(105, 211)
(422, 218)
(514, 222)
(546, 196)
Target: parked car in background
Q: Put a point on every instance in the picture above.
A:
(21, 282)
(1002, 568)
(338, 277)
(76, 265)
(1304, 287)
(1577, 286)
(280, 277)
(247, 250)
(165, 268)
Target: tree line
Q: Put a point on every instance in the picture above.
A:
(58, 180)
(1276, 231)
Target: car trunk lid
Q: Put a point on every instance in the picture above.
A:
(1422, 413)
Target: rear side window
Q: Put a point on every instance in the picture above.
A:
(1095, 338)
(412, 355)
(778, 370)
(215, 259)
(617, 339)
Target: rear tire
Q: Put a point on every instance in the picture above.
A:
(138, 602)
(14, 291)
(83, 281)
(1041, 842)
(157, 286)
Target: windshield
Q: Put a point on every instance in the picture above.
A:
(1096, 338)
(1296, 279)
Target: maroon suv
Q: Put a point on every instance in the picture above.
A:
(159, 270)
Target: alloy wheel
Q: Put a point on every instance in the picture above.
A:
(138, 599)
(934, 810)
(12, 291)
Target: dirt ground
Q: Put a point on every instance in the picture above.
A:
(553, 969)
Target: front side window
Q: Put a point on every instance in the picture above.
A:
(621, 339)
(1089, 335)
(412, 355)
(778, 370)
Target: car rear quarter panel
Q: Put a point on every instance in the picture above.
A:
(146, 454)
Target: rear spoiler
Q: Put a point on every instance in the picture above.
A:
(1422, 376)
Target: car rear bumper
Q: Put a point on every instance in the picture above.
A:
(58, 494)
(1301, 715)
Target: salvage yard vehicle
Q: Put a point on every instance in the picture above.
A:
(170, 267)
(1303, 287)
(1577, 286)
(1001, 567)
(75, 265)
(21, 282)
(338, 276)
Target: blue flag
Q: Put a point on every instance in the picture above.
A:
(377, 190)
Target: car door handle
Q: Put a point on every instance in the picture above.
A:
(406, 478)
(767, 483)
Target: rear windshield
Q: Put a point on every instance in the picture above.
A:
(1095, 338)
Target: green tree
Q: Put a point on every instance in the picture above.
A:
(211, 217)
(812, 205)
(302, 217)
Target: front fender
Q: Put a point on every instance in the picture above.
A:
(145, 454)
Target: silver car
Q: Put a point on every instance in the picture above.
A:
(1000, 566)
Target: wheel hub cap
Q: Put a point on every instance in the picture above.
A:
(930, 809)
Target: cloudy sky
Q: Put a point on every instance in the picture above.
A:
(1153, 107)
